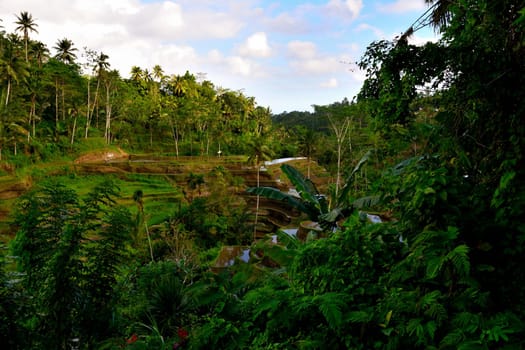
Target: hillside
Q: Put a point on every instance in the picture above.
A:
(164, 180)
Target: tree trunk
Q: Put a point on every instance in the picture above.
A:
(8, 91)
(63, 102)
(32, 115)
(88, 109)
(175, 138)
(74, 129)
(56, 107)
(107, 131)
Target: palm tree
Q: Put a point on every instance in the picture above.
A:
(26, 24)
(35, 86)
(158, 73)
(65, 51)
(100, 66)
(41, 52)
(146, 76)
(35, 83)
(110, 78)
(136, 74)
(440, 15)
(307, 145)
(178, 86)
(12, 68)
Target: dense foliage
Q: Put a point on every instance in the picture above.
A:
(444, 170)
(51, 102)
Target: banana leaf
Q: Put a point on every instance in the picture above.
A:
(272, 193)
(305, 187)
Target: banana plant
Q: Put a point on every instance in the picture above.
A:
(310, 201)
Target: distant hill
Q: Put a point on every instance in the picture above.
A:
(316, 121)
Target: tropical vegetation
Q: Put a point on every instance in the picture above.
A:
(433, 144)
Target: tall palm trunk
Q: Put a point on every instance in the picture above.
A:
(56, 105)
(92, 110)
(107, 131)
(31, 124)
(73, 132)
(88, 112)
(8, 91)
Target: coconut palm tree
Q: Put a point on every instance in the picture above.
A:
(158, 73)
(26, 24)
(12, 68)
(100, 66)
(65, 51)
(65, 54)
(110, 79)
(178, 85)
(136, 73)
(441, 12)
(307, 139)
(40, 52)
(147, 76)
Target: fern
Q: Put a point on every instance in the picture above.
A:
(467, 321)
(414, 327)
(472, 345)
(431, 328)
(434, 266)
(430, 298)
(438, 312)
(460, 260)
(331, 305)
(359, 317)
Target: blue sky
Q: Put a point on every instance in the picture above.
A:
(289, 55)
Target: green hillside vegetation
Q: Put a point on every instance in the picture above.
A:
(140, 213)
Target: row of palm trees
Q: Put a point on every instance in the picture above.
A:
(26, 24)
(163, 105)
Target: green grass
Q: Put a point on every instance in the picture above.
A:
(160, 196)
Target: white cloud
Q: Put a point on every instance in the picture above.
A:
(347, 8)
(236, 65)
(302, 49)
(173, 57)
(210, 25)
(288, 23)
(402, 6)
(320, 65)
(245, 67)
(378, 33)
(160, 20)
(215, 56)
(239, 65)
(330, 83)
(256, 46)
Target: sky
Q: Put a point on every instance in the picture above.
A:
(288, 54)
